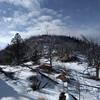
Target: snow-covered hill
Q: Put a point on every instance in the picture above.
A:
(20, 87)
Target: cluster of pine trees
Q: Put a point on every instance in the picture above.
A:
(17, 52)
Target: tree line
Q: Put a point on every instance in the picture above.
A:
(20, 50)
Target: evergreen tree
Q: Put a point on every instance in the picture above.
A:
(17, 49)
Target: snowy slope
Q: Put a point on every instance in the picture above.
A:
(20, 89)
(8, 93)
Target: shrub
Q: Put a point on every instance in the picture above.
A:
(37, 84)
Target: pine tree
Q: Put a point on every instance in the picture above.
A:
(17, 49)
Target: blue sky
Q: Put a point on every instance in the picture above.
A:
(60, 17)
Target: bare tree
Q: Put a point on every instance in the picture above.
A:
(92, 51)
(50, 41)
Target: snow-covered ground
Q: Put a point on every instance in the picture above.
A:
(20, 89)
(8, 93)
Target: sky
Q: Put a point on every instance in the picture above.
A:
(60, 17)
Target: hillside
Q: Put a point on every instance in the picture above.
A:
(47, 67)
(70, 44)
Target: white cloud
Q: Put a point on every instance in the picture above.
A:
(5, 39)
(35, 22)
(67, 17)
(49, 11)
(31, 4)
(45, 18)
(57, 22)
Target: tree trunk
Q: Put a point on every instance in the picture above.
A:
(97, 71)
